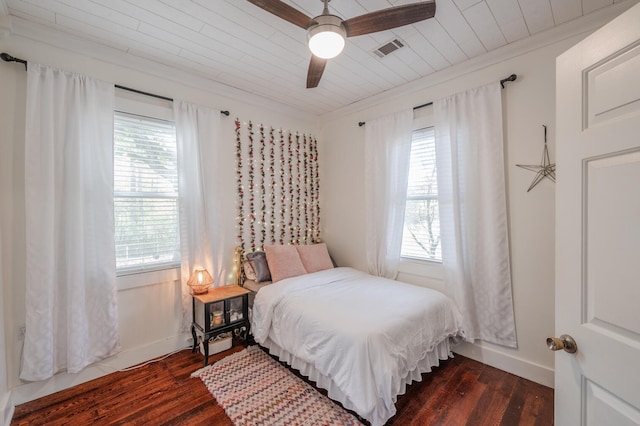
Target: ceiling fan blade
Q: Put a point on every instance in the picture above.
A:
(284, 11)
(392, 17)
(316, 68)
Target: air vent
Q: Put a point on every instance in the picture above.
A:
(388, 48)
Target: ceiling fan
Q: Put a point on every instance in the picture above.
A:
(326, 33)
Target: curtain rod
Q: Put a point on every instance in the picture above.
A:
(512, 77)
(8, 58)
(153, 95)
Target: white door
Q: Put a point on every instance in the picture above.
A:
(598, 226)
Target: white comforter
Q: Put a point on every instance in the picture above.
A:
(367, 334)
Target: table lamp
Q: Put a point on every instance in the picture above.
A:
(200, 281)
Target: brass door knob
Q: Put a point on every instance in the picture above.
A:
(565, 342)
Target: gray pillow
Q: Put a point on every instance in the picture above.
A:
(260, 266)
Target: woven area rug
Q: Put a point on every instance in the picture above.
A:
(254, 389)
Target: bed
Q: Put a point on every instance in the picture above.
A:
(360, 337)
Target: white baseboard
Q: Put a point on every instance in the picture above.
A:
(33, 390)
(520, 367)
(6, 408)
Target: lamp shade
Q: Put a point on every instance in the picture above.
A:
(200, 281)
(326, 38)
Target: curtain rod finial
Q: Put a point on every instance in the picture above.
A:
(512, 77)
(8, 58)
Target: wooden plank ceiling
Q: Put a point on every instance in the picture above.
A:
(235, 43)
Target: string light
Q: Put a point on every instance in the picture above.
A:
(306, 187)
(290, 167)
(252, 227)
(317, 189)
(272, 192)
(240, 204)
(263, 207)
(283, 231)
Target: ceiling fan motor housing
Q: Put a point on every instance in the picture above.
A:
(326, 38)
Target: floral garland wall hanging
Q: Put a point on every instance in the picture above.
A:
(283, 197)
(278, 187)
(239, 186)
(272, 184)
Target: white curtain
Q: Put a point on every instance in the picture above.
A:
(197, 136)
(473, 212)
(387, 155)
(71, 312)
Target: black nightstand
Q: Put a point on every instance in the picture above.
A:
(221, 310)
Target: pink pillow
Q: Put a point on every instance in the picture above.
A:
(284, 262)
(315, 257)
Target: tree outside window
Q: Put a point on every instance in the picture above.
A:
(421, 234)
(145, 193)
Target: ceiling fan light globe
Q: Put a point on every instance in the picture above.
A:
(327, 38)
(326, 45)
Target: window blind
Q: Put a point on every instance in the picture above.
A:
(421, 234)
(145, 193)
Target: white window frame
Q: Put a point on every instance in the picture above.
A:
(423, 118)
(146, 106)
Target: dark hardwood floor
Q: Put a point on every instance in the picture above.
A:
(459, 392)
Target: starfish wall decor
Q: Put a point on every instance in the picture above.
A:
(546, 169)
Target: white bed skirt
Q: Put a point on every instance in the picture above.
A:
(442, 351)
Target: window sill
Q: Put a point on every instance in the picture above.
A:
(421, 268)
(146, 278)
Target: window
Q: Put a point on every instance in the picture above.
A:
(421, 235)
(145, 194)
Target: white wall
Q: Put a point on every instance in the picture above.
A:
(528, 104)
(150, 315)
